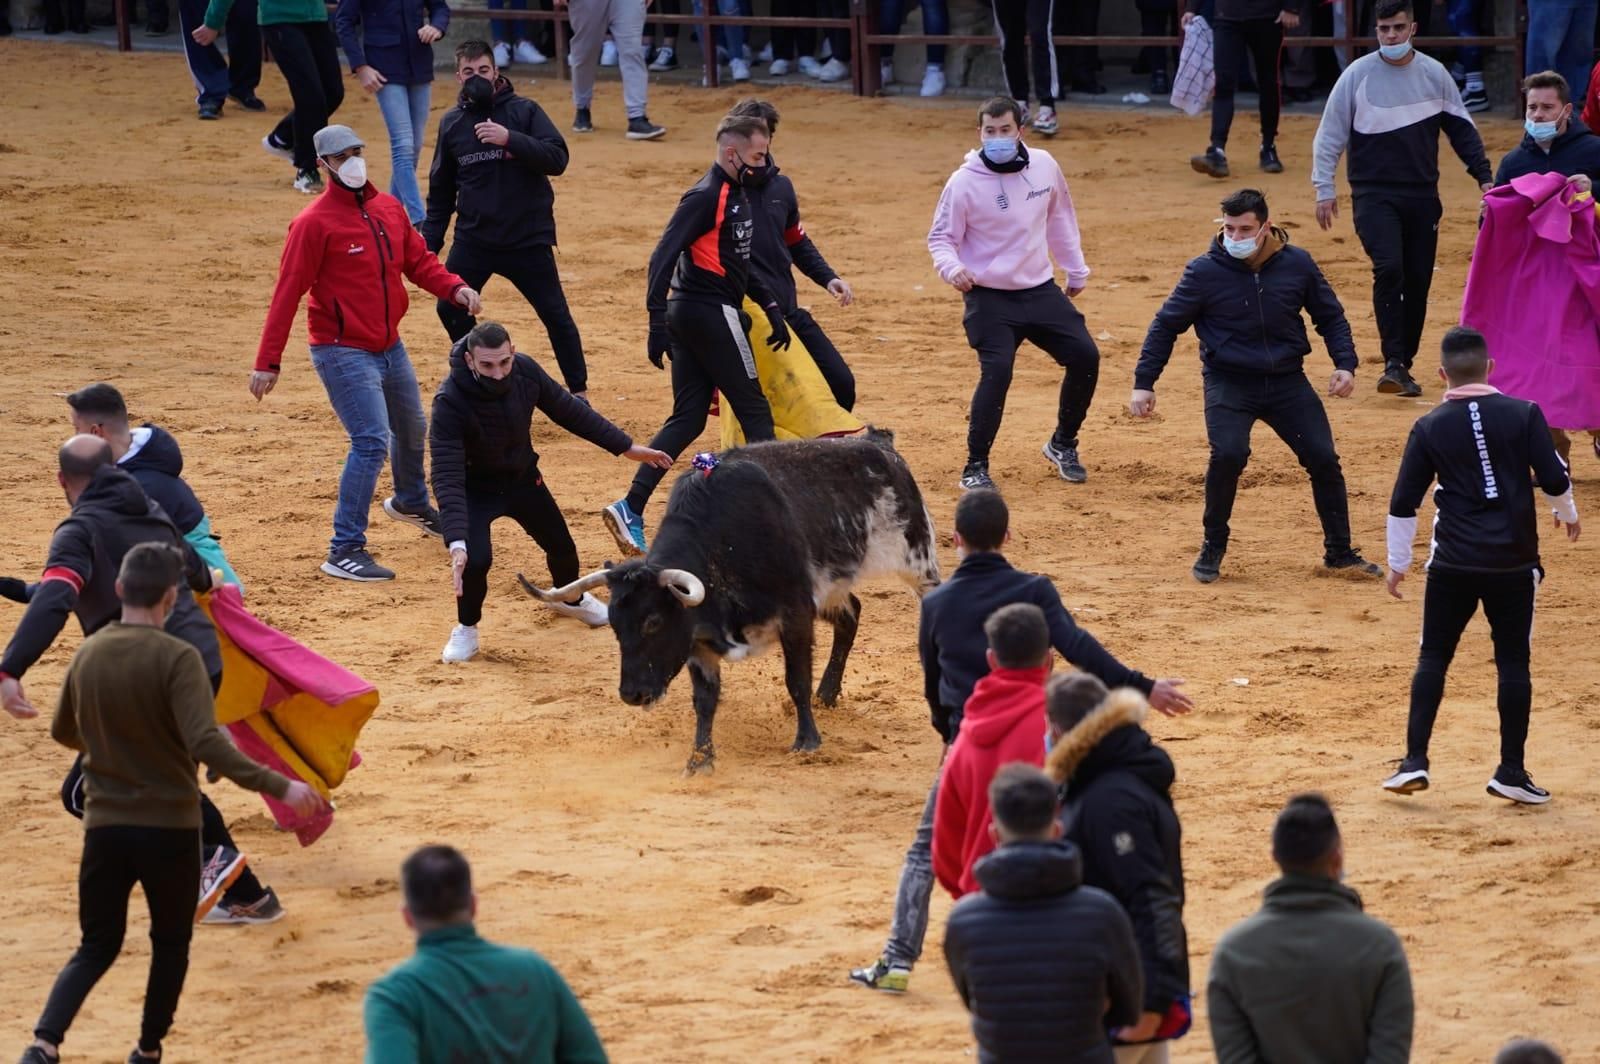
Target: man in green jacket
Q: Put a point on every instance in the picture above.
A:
(1310, 978)
(464, 998)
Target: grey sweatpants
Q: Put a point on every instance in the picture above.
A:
(591, 19)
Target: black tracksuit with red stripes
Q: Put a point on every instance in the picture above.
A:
(705, 252)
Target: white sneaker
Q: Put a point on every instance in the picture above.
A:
(527, 53)
(502, 54)
(779, 68)
(589, 610)
(1044, 123)
(272, 147)
(666, 59)
(827, 49)
(885, 72)
(766, 53)
(833, 70)
(810, 67)
(463, 645)
(933, 81)
(739, 70)
(608, 54)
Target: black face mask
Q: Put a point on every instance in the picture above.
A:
(752, 178)
(477, 94)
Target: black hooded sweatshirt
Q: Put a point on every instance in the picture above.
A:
(1577, 151)
(1037, 957)
(781, 241)
(158, 467)
(111, 517)
(479, 437)
(501, 197)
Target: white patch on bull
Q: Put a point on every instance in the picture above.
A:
(887, 552)
(755, 640)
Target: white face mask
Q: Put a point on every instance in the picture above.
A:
(353, 172)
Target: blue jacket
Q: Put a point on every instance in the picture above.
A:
(387, 37)
(158, 467)
(1248, 320)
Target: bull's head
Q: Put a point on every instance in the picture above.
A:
(649, 614)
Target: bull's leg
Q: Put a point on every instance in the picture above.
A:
(846, 620)
(705, 673)
(797, 640)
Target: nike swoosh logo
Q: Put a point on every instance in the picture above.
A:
(1372, 118)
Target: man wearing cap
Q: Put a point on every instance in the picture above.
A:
(349, 249)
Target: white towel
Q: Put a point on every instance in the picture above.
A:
(1197, 75)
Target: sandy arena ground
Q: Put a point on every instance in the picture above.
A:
(715, 918)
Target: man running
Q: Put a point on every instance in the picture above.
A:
(485, 468)
(492, 164)
(1479, 445)
(1387, 109)
(999, 220)
(704, 257)
(1244, 298)
(349, 249)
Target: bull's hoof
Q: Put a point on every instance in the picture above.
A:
(828, 695)
(806, 743)
(701, 762)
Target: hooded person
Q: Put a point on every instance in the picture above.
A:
(1117, 809)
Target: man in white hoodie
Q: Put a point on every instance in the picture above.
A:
(1001, 217)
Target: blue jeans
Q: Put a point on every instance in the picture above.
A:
(405, 112)
(376, 398)
(1561, 38)
(1464, 21)
(502, 29)
(732, 37)
(935, 23)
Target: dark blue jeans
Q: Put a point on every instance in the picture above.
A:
(935, 23)
(1561, 38)
(1464, 21)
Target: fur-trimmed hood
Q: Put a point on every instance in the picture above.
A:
(1112, 736)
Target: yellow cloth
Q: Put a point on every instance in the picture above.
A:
(802, 405)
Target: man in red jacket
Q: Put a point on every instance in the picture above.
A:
(349, 249)
(1003, 722)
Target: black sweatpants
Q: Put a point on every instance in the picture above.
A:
(1448, 603)
(841, 382)
(1290, 407)
(528, 502)
(997, 321)
(1262, 38)
(166, 863)
(789, 44)
(1401, 237)
(709, 353)
(532, 270)
(308, 55)
(1025, 28)
(1079, 63)
(1158, 22)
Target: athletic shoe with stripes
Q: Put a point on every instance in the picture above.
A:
(881, 975)
(626, 527)
(356, 564)
(975, 476)
(217, 873)
(272, 147)
(1515, 785)
(426, 518)
(264, 910)
(1065, 459)
(1409, 778)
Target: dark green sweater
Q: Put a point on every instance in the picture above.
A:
(461, 997)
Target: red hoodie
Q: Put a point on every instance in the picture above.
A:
(349, 250)
(1004, 721)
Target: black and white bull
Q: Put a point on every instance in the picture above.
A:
(749, 554)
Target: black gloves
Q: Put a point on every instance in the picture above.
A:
(13, 589)
(779, 340)
(660, 343)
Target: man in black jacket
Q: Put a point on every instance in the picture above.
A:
(1244, 298)
(1255, 27)
(954, 649)
(703, 259)
(1117, 809)
(1043, 962)
(782, 243)
(492, 164)
(484, 468)
(1479, 446)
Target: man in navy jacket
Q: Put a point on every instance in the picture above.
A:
(1244, 298)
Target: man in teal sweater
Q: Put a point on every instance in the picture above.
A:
(464, 998)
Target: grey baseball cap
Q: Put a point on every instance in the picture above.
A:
(331, 140)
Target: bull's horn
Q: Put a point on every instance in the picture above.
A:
(562, 594)
(685, 585)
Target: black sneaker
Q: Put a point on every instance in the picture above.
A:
(581, 122)
(1208, 566)
(426, 519)
(1351, 559)
(1409, 778)
(1397, 380)
(976, 476)
(210, 112)
(642, 128)
(1270, 161)
(249, 101)
(1515, 785)
(137, 1057)
(33, 1054)
(1475, 100)
(1159, 85)
(1065, 459)
(357, 565)
(1213, 162)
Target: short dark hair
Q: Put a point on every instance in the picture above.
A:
(78, 461)
(1018, 635)
(1305, 834)
(1548, 79)
(744, 126)
(754, 108)
(1071, 696)
(100, 401)
(996, 106)
(437, 883)
(1391, 8)
(487, 335)
(149, 571)
(1464, 353)
(1023, 799)
(1246, 201)
(982, 518)
(1527, 1051)
(474, 50)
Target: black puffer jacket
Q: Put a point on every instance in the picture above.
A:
(1036, 957)
(1577, 151)
(1117, 809)
(480, 436)
(158, 467)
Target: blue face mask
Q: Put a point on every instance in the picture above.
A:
(1000, 149)
(1241, 249)
(1540, 131)
(1395, 52)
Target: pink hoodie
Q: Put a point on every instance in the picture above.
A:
(1005, 227)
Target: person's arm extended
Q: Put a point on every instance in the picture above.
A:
(1061, 234)
(1233, 1040)
(297, 272)
(540, 147)
(1410, 485)
(946, 233)
(68, 567)
(578, 417)
(1082, 649)
(695, 214)
(441, 190)
(447, 469)
(189, 691)
(391, 1036)
(424, 268)
(1175, 318)
(347, 24)
(1458, 126)
(1389, 1027)
(577, 1043)
(1327, 313)
(1333, 136)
